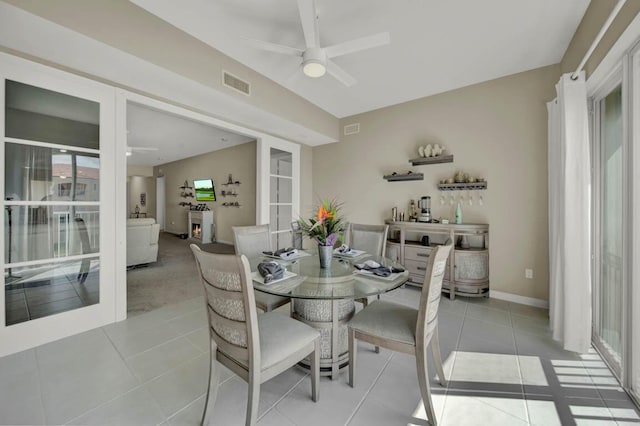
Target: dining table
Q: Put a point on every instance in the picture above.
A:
(324, 298)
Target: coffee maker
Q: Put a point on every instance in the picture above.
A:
(425, 209)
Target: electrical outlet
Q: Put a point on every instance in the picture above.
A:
(172, 222)
(528, 273)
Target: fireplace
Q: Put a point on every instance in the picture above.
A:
(196, 231)
(201, 227)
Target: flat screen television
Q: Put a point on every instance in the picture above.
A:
(204, 190)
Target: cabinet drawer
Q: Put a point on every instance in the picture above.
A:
(421, 254)
(419, 268)
(416, 279)
(416, 267)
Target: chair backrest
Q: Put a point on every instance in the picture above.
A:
(430, 295)
(370, 238)
(233, 321)
(252, 240)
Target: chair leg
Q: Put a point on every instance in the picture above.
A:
(377, 348)
(253, 400)
(437, 357)
(365, 303)
(212, 388)
(423, 381)
(352, 355)
(315, 371)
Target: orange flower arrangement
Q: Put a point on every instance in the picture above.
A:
(328, 226)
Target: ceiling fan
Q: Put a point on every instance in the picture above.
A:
(316, 60)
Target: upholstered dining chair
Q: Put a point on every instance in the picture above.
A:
(404, 329)
(255, 347)
(370, 238)
(373, 240)
(252, 241)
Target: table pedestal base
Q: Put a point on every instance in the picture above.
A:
(330, 318)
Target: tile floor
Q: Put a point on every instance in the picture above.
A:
(49, 292)
(152, 369)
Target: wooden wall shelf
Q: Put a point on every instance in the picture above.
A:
(432, 160)
(404, 177)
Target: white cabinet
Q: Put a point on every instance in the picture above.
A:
(467, 272)
(201, 226)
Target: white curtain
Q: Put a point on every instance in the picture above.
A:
(569, 215)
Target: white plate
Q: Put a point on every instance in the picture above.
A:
(372, 275)
(351, 253)
(260, 279)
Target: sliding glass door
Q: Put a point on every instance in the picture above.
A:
(609, 278)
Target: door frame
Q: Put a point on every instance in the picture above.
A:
(263, 144)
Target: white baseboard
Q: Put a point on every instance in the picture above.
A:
(538, 303)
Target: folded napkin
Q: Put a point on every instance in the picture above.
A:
(344, 249)
(270, 271)
(377, 269)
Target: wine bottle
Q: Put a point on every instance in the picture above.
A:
(459, 213)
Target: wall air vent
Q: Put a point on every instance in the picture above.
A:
(352, 129)
(235, 83)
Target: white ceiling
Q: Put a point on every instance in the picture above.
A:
(175, 137)
(436, 45)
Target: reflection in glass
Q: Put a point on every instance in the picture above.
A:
(41, 290)
(281, 163)
(51, 202)
(281, 190)
(280, 218)
(45, 232)
(36, 114)
(34, 173)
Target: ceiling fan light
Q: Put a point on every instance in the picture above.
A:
(313, 68)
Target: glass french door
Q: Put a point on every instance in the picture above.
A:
(279, 188)
(609, 278)
(58, 254)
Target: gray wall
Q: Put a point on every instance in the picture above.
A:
(496, 130)
(240, 161)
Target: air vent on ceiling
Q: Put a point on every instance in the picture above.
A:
(352, 129)
(235, 83)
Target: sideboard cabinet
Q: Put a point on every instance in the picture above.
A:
(467, 273)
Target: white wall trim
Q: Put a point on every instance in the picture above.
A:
(614, 57)
(523, 300)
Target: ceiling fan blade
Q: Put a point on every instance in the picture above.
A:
(339, 74)
(309, 20)
(357, 44)
(276, 48)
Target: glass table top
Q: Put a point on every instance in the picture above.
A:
(338, 282)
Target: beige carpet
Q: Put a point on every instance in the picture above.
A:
(173, 278)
